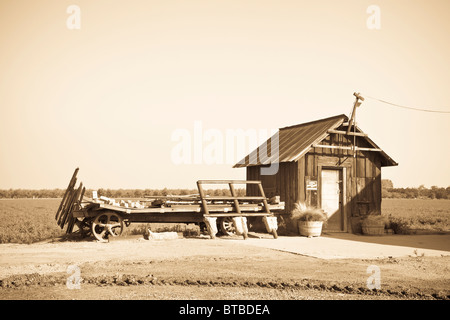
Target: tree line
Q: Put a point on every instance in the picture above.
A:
(388, 191)
(111, 193)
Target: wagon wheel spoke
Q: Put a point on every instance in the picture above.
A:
(227, 226)
(114, 225)
(107, 224)
(103, 234)
(112, 230)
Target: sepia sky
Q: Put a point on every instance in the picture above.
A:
(108, 97)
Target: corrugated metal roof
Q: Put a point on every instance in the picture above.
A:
(295, 141)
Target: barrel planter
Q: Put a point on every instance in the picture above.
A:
(310, 228)
(373, 225)
(373, 229)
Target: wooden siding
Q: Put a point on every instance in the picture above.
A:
(363, 174)
(362, 178)
(285, 183)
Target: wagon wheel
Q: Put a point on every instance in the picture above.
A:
(226, 226)
(107, 224)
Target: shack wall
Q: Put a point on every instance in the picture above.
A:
(362, 179)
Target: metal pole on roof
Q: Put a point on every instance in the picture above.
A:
(349, 128)
(355, 105)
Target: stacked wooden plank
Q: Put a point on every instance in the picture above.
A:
(120, 203)
(71, 200)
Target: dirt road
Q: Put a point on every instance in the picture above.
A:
(197, 268)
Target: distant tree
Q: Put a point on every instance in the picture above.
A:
(387, 184)
(101, 192)
(138, 193)
(411, 193)
(440, 193)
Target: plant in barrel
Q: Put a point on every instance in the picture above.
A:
(309, 220)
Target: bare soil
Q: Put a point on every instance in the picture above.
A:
(198, 268)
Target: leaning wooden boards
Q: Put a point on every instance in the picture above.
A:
(71, 198)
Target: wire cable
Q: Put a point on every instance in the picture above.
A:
(404, 107)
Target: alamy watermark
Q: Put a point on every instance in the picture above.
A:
(374, 280)
(373, 22)
(74, 20)
(229, 146)
(74, 280)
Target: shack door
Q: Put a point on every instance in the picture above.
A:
(331, 199)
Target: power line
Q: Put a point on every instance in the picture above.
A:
(404, 107)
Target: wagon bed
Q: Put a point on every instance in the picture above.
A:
(103, 217)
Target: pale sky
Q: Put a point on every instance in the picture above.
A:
(108, 97)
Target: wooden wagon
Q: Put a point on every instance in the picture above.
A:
(103, 217)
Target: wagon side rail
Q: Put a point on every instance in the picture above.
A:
(234, 197)
(71, 200)
(238, 216)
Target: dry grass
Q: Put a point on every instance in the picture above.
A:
(28, 220)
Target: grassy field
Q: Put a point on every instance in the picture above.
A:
(33, 220)
(28, 220)
(406, 215)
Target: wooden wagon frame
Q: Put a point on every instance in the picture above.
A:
(225, 213)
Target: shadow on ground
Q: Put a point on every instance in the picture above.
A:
(434, 241)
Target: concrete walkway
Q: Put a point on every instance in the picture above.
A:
(350, 246)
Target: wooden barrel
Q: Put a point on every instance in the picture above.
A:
(310, 228)
(373, 229)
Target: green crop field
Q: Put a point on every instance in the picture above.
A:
(33, 220)
(28, 220)
(422, 214)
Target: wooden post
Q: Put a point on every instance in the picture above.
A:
(234, 195)
(266, 205)
(70, 193)
(202, 197)
(271, 225)
(64, 199)
(211, 225)
(76, 203)
(69, 209)
(240, 224)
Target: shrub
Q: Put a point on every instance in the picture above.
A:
(374, 219)
(304, 213)
(399, 225)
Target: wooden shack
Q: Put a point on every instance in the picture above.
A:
(322, 164)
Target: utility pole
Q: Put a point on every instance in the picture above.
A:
(355, 105)
(355, 163)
